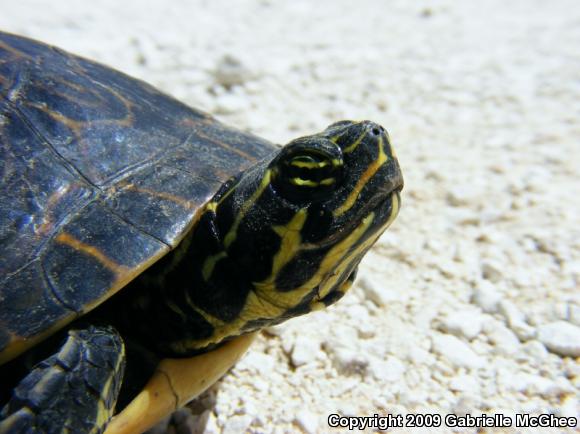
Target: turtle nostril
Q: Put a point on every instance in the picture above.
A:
(376, 131)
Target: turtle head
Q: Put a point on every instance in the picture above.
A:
(294, 228)
(341, 189)
(285, 237)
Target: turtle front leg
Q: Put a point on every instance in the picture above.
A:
(74, 390)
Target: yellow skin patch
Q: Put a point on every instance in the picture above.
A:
(174, 384)
(303, 182)
(174, 308)
(368, 174)
(290, 244)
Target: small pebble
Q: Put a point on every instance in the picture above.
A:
(257, 362)
(376, 290)
(211, 426)
(305, 350)
(464, 383)
(532, 384)
(390, 370)
(511, 313)
(569, 407)
(561, 337)
(487, 296)
(492, 270)
(464, 323)
(418, 356)
(466, 404)
(456, 351)
(461, 195)
(308, 421)
(230, 72)
(237, 424)
(515, 320)
(574, 314)
(348, 362)
(505, 342)
(535, 349)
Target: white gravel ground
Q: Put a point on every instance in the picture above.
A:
(470, 303)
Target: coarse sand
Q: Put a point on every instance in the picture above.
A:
(470, 303)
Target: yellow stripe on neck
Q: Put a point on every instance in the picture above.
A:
(290, 244)
(233, 232)
(211, 261)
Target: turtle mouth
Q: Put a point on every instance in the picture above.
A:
(387, 189)
(384, 210)
(381, 205)
(383, 202)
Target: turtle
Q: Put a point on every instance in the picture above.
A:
(144, 242)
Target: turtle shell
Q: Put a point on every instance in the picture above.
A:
(101, 175)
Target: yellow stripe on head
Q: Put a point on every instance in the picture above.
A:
(363, 180)
(304, 182)
(309, 164)
(328, 181)
(355, 144)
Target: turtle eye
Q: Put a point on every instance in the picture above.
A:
(308, 174)
(310, 171)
